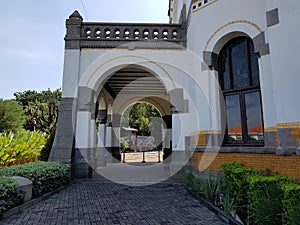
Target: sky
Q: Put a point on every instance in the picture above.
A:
(32, 36)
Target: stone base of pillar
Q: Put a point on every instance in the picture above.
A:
(101, 157)
(81, 167)
(167, 153)
(116, 155)
(179, 161)
(108, 155)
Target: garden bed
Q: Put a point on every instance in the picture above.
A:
(45, 176)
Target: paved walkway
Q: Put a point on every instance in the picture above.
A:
(94, 202)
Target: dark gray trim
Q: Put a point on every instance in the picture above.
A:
(101, 158)
(287, 144)
(253, 150)
(270, 139)
(116, 155)
(116, 120)
(260, 45)
(110, 90)
(102, 116)
(64, 137)
(73, 25)
(210, 58)
(85, 99)
(150, 36)
(186, 106)
(187, 141)
(168, 121)
(80, 167)
(176, 100)
(272, 17)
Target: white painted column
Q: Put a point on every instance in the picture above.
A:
(101, 161)
(108, 141)
(82, 143)
(116, 133)
(93, 143)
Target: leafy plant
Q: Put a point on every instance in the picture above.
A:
(45, 152)
(192, 182)
(228, 205)
(124, 144)
(210, 187)
(265, 195)
(291, 204)
(46, 176)
(237, 185)
(10, 196)
(21, 147)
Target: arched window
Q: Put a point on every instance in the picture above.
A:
(239, 80)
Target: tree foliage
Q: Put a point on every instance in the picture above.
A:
(140, 115)
(12, 116)
(41, 108)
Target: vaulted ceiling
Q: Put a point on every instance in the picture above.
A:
(132, 80)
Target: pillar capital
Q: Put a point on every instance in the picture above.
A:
(102, 116)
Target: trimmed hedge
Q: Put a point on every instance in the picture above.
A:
(260, 199)
(291, 204)
(235, 176)
(46, 176)
(10, 195)
(265, 195)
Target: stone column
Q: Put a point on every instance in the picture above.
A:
(108, 140)
(84, 134)
(116, 132)
(102, 116)
(93, 141)
(168, 138)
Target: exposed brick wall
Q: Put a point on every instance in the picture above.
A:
(283, 165)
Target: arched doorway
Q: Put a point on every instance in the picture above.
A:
(123, 89)
(120, 91)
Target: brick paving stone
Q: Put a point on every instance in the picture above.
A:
(101, 202)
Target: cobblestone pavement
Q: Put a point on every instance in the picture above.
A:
(101, 202)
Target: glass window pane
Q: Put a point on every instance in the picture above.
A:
(240, 65)
(254, 117)
(254, 65)
(233, 113)
(225, 70)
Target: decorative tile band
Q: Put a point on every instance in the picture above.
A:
(200, 4)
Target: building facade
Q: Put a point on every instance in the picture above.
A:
(222, 74)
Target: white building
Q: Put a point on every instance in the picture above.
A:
(223, 74)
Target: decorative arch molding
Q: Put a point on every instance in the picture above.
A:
(162, 105)
(103, 67)
(229, 31)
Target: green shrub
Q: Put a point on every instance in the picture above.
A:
(235, 176)
(265, 195)
(44, 155)
(192, 182)
(10, 196)
(21, 147)
(46, 176)
(210, 187)
(207, 187)
(291, 204)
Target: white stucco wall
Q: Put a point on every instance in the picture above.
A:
(284, 48)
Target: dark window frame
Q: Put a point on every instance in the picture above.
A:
(246, 141)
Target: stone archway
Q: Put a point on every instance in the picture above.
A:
(125, 87)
